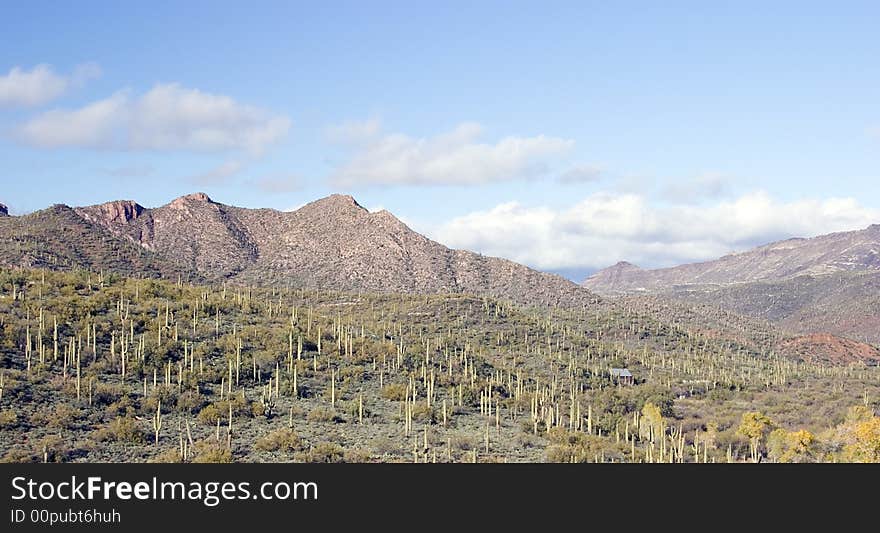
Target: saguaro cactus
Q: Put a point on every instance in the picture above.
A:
(157, 421)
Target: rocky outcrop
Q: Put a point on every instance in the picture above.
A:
(112, 213)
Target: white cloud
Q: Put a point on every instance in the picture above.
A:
(41, 84)
(451, 158)
(605, 228)
(168, 117)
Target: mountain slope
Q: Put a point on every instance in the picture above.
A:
(332, 243)
(59, 238)
(846, 304)
(828, 349)
(193, 232)
(849, 251)
(828, 284)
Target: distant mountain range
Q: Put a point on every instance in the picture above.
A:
(827, 283)
(332, 243)
(835, 253)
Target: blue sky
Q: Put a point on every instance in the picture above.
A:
(566, 135)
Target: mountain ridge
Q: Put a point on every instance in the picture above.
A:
(332, 242)
(855, 250)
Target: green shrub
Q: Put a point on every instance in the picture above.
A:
(210, 451)
(323, 414)
(209, 415)
(281, 440)
(122, 429)
(422, 412)
(323, 452)
(8, 419)
(58, 416)
(394, 391)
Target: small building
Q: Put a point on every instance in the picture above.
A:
(622, 376)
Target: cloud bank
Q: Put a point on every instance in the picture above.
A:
(456, 157)
(41, 84)
(168, 117)
(605, 228)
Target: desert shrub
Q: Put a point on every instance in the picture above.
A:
(210, 451)
(462, 442)
(59, 416)
(124, 406)
(352, 408)
(18, 455)
(323, 452)
(8, 419)
(576, 447)
(471, 396)
(281, 440)
(527, 440)
(394, 391)
(294, 411)
(166, 394)
(191, 402)
(422, 412)
(351, 374)
(526, 425)
(51, 449)
(386, 446)
(171, 455)
(357, 455)
(122, 429)
(220, 410)
(209, 415)
(106, 394)
(323, 414)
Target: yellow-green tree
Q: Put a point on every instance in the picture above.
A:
(651, 425)
(754, 426)
(790, 446)
(865, 447)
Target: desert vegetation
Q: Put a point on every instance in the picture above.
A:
(101, 367)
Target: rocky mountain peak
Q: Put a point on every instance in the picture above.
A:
(188, 199)
(335, 204)
(339, 200)
(625, 265)
(612, 275)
